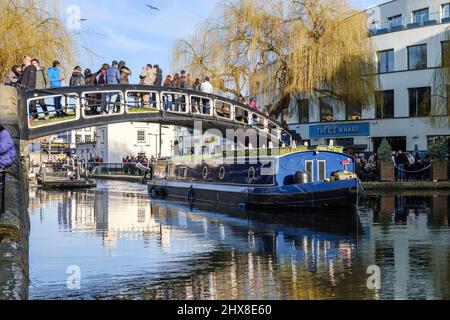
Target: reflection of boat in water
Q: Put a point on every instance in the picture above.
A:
(293, 178)
(277, 234)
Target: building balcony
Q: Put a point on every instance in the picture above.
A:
(383, 28)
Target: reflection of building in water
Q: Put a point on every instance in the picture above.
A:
(414, 259)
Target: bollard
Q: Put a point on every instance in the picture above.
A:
(2, 191)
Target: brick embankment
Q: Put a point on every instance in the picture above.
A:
(14, 223)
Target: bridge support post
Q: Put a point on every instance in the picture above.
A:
(14, 224)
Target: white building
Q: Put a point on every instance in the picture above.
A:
(116, 141)
(75, 137)
(408, 37)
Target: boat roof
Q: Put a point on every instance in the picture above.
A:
(262, 153)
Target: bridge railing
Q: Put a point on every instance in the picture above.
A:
(114, 169)
(2, 191)
(59, 105)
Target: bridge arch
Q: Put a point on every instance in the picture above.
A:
(90, 106)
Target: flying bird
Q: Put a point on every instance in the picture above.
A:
(83, 20)
(152, 7)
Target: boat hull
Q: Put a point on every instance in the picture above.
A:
(339, 194)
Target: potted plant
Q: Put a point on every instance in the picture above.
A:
(438, 152)
(387, 172)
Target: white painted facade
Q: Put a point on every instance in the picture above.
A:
(116, 141)
(416, 130)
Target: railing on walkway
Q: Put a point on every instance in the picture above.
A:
(2, 191)
(130, 169)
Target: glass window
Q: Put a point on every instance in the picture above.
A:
(386, 61)
(353, 111)
(384, 104)
(417, 57)
(303, 110)
(87, 139)
(309, 170)
(445, 51)
(141, 136)
(326, 110)
(78, 138)
(395, 21)
(419, 102)
(322, 169)
(421, 16)
(446, 11)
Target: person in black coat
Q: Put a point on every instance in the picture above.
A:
(159, 76)
(28, 80)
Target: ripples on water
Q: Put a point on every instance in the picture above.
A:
(129, 247)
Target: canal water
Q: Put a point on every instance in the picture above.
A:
(115, 243)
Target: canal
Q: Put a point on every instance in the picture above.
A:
(118, 244)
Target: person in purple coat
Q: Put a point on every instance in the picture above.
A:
(7, 149)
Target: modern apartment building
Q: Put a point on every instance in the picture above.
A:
(409, 38)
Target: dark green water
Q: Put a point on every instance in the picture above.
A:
(125, 246)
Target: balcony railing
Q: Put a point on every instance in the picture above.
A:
(409, 23)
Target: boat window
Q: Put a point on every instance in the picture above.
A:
(251, 173)
(222, 173)
(322, 169)
(205, 172)
(182, 172)
(309, 169)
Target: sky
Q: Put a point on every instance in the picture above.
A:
(128, 30)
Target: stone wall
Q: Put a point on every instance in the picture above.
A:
(14, 224)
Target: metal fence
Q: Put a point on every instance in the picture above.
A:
(2, 191)
(115, 169)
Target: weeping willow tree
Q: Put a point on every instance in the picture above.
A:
(279, 48)
(28, 29)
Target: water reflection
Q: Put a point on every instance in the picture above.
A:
(130, 247)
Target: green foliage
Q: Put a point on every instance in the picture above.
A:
(438, 149)
(385, 151)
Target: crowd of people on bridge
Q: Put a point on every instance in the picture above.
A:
(32, 75)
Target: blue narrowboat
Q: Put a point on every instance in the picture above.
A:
(303, 177)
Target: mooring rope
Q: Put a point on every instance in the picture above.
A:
(417, 171)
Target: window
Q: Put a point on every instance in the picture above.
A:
(421, 16)
(353, 111)
(386, 61)
(445, 52)
(417, 57)
(446, 11)
(384, 104)
(395, 21)
(87, 139)
(322, 169)
(309, 169)
(326, 110)
(141, 136)
(303, 110)
(419, 102)
(78, 138)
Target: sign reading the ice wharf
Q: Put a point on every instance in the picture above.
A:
(340, 130)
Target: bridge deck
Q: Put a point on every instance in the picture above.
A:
(50, 111)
